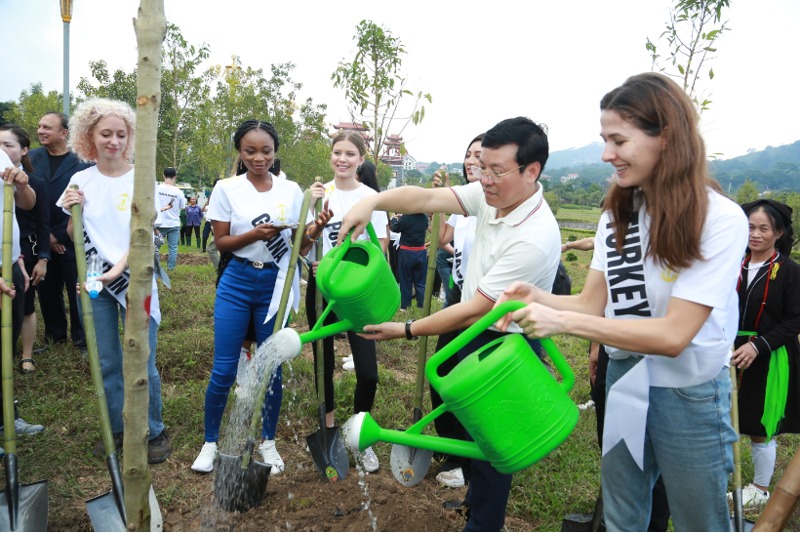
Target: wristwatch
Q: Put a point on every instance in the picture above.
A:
(409, 336)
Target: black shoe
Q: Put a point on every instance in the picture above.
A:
(100, 447)
(158, 449)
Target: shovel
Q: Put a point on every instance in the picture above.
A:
(22, 507)
(586, 522)
(107, 511)
(409, 465)
(325, 444)
(738, 521)
(241, 482)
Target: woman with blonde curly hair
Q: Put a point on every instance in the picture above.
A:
(103, 132)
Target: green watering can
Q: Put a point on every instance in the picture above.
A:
(358, 284)
(503, 395)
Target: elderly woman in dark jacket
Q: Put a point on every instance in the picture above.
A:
(769, 323)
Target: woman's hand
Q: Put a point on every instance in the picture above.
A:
(27, 284)
(519, 291)
(537, 321)
(441, 178)
(265, 232)
(744, 355)
(314, 265)
(15, 176)
(39, 272)
(5, 289)
(385, 331)
(72, 197)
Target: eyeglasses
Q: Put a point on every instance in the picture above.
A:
(492, 175)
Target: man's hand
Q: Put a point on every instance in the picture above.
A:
(385, 331)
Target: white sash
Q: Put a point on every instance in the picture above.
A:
(280, 280)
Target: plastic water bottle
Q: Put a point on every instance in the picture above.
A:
(94, 268)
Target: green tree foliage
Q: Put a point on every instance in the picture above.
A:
(201, 109)
(691, 40)
(32, 104)
(373, 85)
(748, 192)
(552, 200)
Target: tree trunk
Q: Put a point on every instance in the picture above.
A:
(151, 28)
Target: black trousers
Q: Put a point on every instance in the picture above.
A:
(62, 274)
(365, 358)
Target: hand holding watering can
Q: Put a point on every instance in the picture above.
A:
(536, 320)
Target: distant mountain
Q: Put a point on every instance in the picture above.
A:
(585, 155)
(775, 168)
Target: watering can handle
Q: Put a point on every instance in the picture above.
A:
(347, 242)
(568, 378)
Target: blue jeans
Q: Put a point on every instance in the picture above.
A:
(171, 235)
(689, 443)
(444, 269)
(244, 292)
(107, 314)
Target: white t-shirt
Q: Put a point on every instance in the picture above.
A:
(236, 200)
(463, 239)
(171, 218)
(525, 245)
(640, 288)
(340, 202)
(107, 224)
(5, 162)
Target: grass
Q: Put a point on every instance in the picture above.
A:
(60, 396)
(576, 213)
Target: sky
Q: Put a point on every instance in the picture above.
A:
(481, 62)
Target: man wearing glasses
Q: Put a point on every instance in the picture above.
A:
(517, 238)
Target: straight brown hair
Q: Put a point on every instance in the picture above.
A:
(677, 199)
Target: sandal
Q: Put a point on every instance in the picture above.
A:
(25, 361)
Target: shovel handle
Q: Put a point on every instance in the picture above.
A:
(87, 314)
(422, 346)
(6, 324)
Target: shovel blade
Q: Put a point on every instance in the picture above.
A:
(104, 513)
(329, 454)
(237, 488)
(409, 465)
(32, 508)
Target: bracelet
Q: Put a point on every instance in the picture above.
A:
(754, 346)
(310, 238)
(409, 336)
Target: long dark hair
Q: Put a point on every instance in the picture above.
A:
(23, 140)
(478, 137)
(366, 174)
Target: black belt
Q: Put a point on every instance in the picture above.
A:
(255, 264)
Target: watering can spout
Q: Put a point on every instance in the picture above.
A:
(361, 431)
(288, 344)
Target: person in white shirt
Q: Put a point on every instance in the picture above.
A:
(103, 132)
(170, 203)
(517, 237)
(660, 295)
(347, 153)
(252, 214)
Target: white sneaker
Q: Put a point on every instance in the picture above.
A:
(451, 478)
(752, 496)
(370, 460)
(205, 459)
(348, 364)
(271, 456)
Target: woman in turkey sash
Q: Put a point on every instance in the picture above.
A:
(660, 295)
